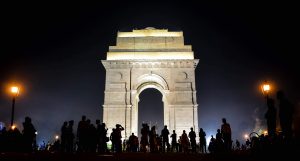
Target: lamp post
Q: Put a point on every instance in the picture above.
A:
(15, 91)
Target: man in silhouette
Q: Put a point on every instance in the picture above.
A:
(174, 141)
(82, 134)
(133, 142)
(271, 117)
(145, 137)
(192, 136)
(202, 135)
(118, 136)
(103, 138)
(64, 136)
(226, 134)
(165, 137)
(29, 134)
(70, 137)
(286, 110)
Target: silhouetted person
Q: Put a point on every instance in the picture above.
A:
(179, 144)
(56, 146)
(98, 126)
(192, 136)
(144, 139)
(133, 143)
(212, 144)
(70, 137)
(185, 142)
(14, 141)
(286, 110)
(271, 117)
(174, 142)
(92, 137)
(202, 138)
(219, 144)
(152, 140)
(248, 143)
(113, 140)
(29, 135)
(165, 138)
(63, 136)
(103, 139)
(159, 142)
(118, 131)
(3, 139)
(238, 145)
(226, 134)
(82, 134)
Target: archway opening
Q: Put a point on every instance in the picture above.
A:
(151, 109)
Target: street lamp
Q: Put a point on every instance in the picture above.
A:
(266, 87)
(15, 91)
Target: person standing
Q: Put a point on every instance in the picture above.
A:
(184, 142)
(192, 136)
(118, 133)
(286, 110)
(29, 135)
(226, 134)
(202, 135)
(271, 117)
(165, 138)
(174, 141)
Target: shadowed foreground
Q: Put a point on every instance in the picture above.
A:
(46, 156)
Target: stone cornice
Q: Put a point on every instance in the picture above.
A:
(181, 63)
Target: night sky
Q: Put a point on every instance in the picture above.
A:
(54, 50)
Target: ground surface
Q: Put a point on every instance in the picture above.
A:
(46, 156)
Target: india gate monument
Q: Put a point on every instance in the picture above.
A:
(150, 58)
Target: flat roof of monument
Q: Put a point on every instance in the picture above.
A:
(151, 32)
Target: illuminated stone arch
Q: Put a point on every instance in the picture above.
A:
(150, 58)
(144, 82)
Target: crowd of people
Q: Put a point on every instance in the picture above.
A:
(15, 140)
(94, 138)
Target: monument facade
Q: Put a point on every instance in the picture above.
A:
(150, 58)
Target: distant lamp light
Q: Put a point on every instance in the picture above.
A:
(13, 127)
(266, 88)
(15, 90)
(265, 132)
(36, 133)
(56, 137)
(246, 136)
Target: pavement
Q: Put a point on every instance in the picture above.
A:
(47, 156)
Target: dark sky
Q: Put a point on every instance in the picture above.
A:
(53, 51)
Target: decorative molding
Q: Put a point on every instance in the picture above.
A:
(116, 64)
